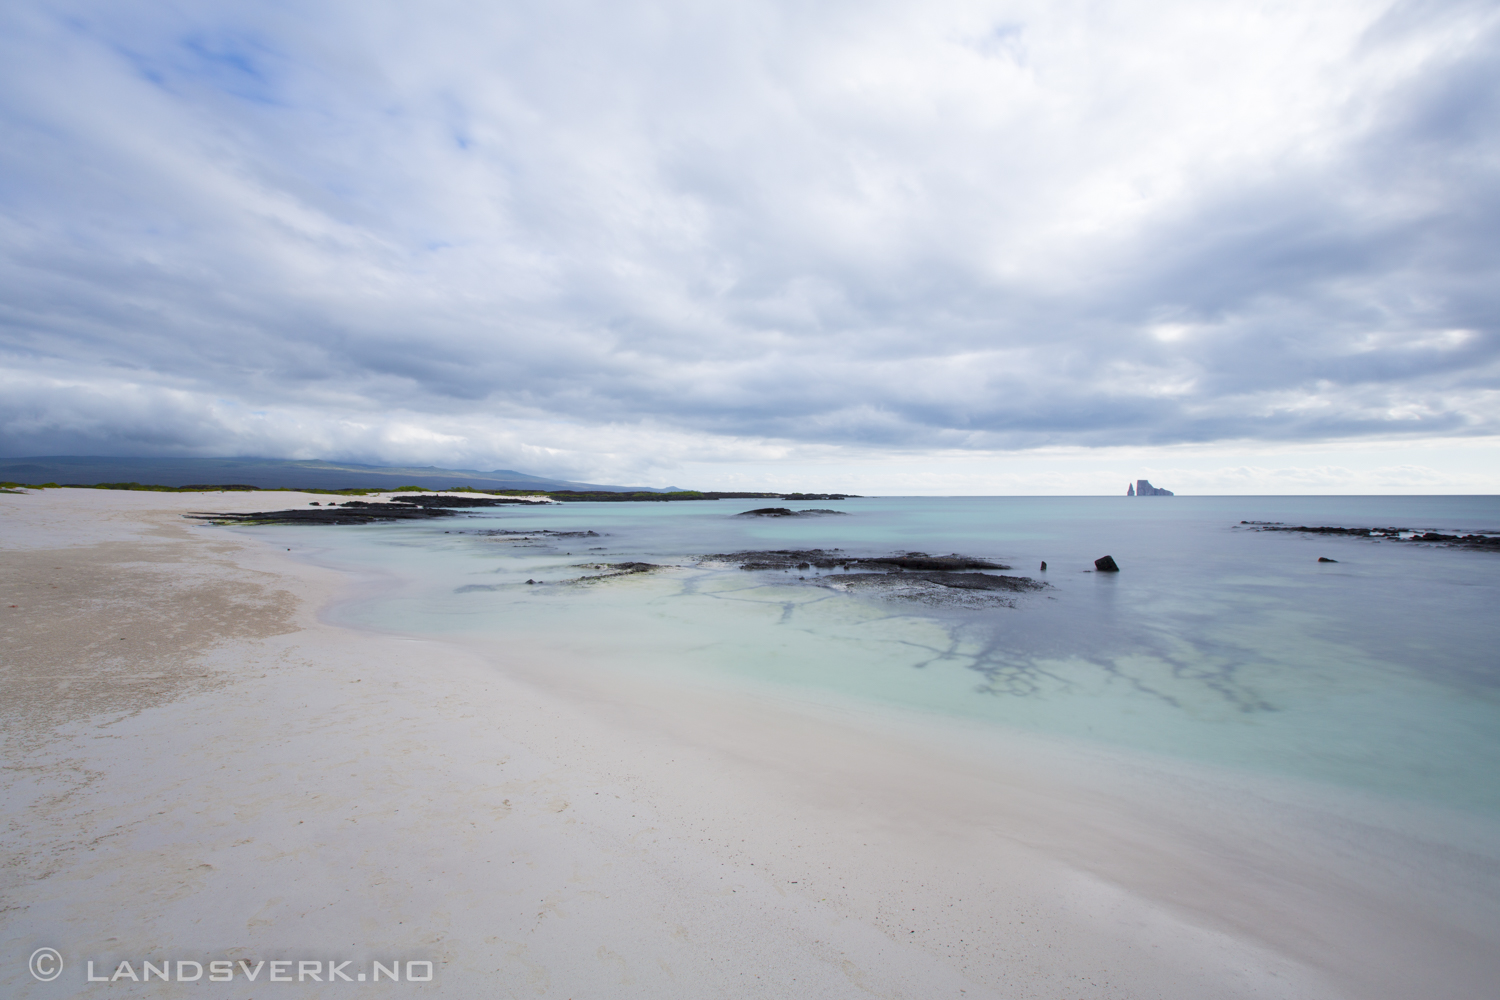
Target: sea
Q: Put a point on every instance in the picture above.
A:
(1216, 643)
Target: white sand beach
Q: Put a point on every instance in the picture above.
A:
(198, 767)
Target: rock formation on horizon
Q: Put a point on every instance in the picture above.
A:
(1143, 488)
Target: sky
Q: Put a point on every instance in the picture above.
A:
(917, 247)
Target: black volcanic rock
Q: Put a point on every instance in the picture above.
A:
(363, 513)
(923, 561)
(835, 559)
(1486, 542)
(1106, 565)
(957, 581)
(449, 501)
(783, 559)
(944, 581)
(973, 590)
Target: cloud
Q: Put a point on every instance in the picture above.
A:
(557, 232)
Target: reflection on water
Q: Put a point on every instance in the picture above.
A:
(1214, 642)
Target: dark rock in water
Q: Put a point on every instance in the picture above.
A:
(612, 570)
(1486, 542)
(922, 561)
(363, 513)
(973, 590)
(1106, 565)
(1326, 559)
(1044, 566)
(782, 558)
(948, 580)
(403, 508)
(978, 581)
(834, 558)
(447, 501)
(956, 581)
(1357, 532)
(536, 533)
(767, 512)
(819, 510)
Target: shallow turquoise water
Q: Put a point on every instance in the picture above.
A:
(1214, 644)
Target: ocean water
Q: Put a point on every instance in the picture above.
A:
(1215, 643)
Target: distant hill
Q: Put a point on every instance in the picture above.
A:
(271, 473)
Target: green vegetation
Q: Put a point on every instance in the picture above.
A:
(333, 493)
(127, 486)
(566, 496)
(9, 487)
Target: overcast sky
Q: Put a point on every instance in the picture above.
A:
(729, 243)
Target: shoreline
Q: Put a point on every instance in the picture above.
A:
(536, 827)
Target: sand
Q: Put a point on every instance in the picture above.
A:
(199, 768)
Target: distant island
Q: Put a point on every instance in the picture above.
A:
(1143, 488)
(203, 475)
(280, 473)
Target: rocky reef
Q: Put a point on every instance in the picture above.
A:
(938, 580)
(1487, 541)
(400, 508)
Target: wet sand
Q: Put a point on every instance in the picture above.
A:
(199, 768)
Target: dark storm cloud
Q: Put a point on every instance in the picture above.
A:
(373, 231)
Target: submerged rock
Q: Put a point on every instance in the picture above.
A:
(1326, 559)
(956, 581)
(1488, 541)
(969, 590)
(1106, 565)
(951, 580)
(632, 567)
(836, 559)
